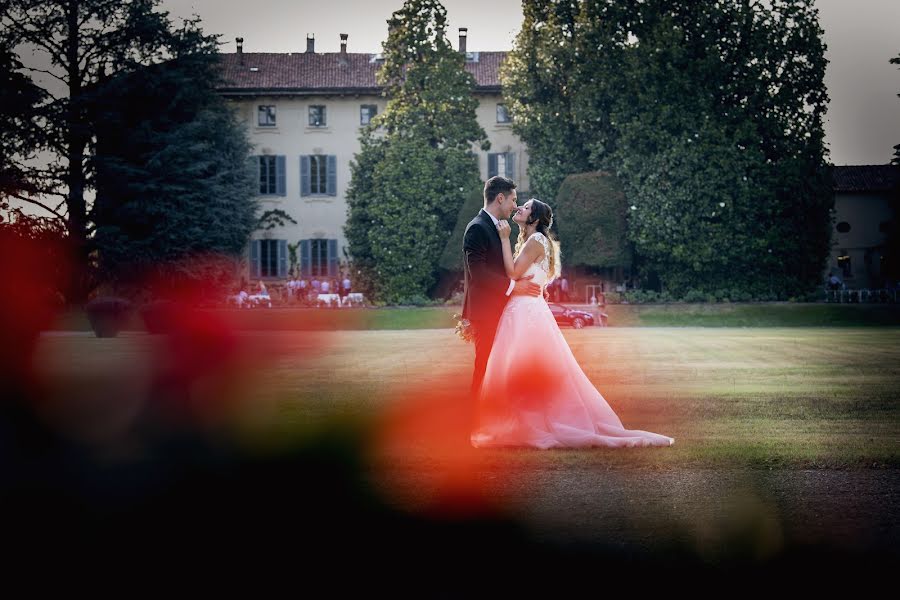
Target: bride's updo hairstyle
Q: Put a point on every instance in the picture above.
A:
(542, 214)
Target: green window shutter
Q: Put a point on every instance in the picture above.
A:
(254, 259)
(332, 175)
(305, 258)
(282, 258)
(280, 175)
(304, 175)
(492, 165)
(511, 165)
(253, 170)
(332, 258)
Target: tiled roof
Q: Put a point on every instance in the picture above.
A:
(865, 178)
(323, 72)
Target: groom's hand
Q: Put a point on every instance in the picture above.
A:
(526, 287)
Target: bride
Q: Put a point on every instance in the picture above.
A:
(534, 393)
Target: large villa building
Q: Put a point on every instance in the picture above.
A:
(304, 112)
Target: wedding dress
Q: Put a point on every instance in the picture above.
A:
(534, 393)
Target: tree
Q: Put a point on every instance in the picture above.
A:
(539, 86)
(171, 175)
(18, 99)
(416, 165)
(76, 43)
(711, 116)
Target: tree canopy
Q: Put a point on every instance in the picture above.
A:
(416, 165)
(75, 48)
(711, 116)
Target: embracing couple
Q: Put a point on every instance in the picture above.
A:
(527, 386)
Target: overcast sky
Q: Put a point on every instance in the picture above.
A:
(862, 35)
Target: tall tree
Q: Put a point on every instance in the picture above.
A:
(416, 164)
(711, 116)
(539, 84)
(19, 97)
(75, 43)
(172, 178)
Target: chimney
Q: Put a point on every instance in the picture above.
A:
(240, 49)
(311, 43)
(463, 32)
(343, 56)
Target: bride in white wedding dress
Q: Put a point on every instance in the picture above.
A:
(534, 393)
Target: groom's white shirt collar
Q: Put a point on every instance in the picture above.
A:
(493, 218)
(512, 282)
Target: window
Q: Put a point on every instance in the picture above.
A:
(266, 116)
(366, 113)
(503, 114)
(271, 175)
(268, 258)
(844, 264)
(317, 115)
(318, 258)
(502, 163)
(318, 175)
(843, 227)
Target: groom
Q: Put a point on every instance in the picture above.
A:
(487, 288)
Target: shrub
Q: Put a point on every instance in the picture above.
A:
(107, 315)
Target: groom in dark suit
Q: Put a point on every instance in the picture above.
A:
(487, 288)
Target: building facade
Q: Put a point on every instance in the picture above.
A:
(304, 113)
(864, 199)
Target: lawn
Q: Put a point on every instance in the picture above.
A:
(763, 314)
(786, 435)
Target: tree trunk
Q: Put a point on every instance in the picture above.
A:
(80, 283)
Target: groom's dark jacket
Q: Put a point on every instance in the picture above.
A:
(485, 277)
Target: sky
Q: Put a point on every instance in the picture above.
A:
(863, 120)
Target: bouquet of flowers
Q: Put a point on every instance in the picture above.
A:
(464, 329)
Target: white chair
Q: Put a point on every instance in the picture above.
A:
(354, 297)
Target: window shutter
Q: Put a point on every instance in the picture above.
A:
(253, 167)
(332, 175)
(282, 258)
(254, 259)
(279, 175)
(304, 176)
(511, 165)
(332, 258)
(305, 267)
(492, 165)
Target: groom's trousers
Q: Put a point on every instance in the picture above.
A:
(484, 341)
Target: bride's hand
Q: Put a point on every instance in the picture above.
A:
(503, 229)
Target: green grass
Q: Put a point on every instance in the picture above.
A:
(773, 314)
(762, 397)
(770, 314)
(784, 436)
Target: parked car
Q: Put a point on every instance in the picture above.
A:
(570, 316)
